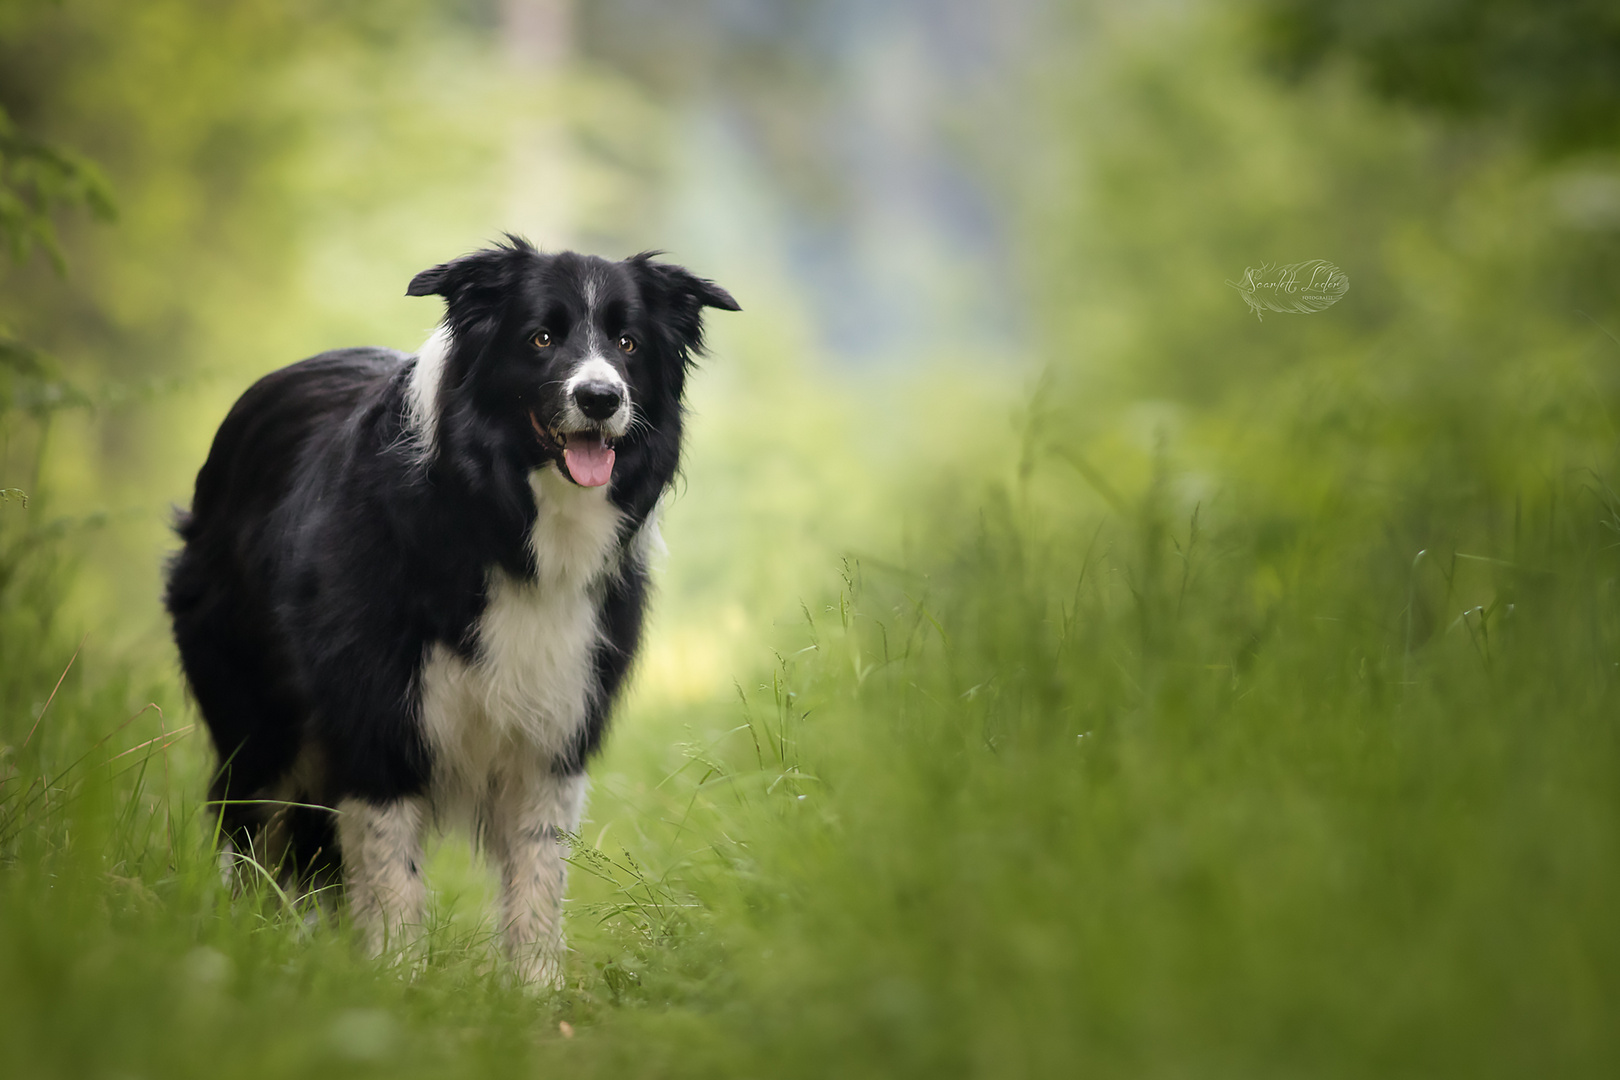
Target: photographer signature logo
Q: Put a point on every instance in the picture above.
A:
(1296, 289)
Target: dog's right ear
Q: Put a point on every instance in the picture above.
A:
(433, 280)
(482, 269)
(485, 268)
(474, 286)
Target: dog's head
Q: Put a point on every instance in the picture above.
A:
(563, 357)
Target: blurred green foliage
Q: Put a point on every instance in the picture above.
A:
(1553, 69)
(1243, 704)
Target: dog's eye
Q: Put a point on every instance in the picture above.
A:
(542, 340)
(627, 344)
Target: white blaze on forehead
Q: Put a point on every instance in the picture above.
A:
(422, 395)
(595, 367)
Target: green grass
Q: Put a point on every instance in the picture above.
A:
(1048, 801)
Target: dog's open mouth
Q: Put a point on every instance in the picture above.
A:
(587, 456)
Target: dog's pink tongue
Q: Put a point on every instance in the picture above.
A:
(589, 459)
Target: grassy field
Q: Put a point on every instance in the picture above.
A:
(1161, 797)
(1216, 697)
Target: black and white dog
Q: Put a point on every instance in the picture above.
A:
(411, 587)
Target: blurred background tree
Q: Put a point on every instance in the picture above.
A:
(37, 181)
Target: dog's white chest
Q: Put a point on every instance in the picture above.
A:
(525, 695)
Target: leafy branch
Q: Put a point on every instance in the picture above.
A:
(38, 178)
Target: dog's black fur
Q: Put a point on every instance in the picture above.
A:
(330, 544)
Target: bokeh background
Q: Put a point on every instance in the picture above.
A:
(1056, 668)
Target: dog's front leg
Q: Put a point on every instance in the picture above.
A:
(527, 820)
(381, 845)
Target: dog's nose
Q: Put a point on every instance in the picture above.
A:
(597, 400)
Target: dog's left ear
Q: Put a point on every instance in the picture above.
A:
(680, 296)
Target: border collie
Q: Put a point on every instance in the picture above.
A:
(411, 586)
